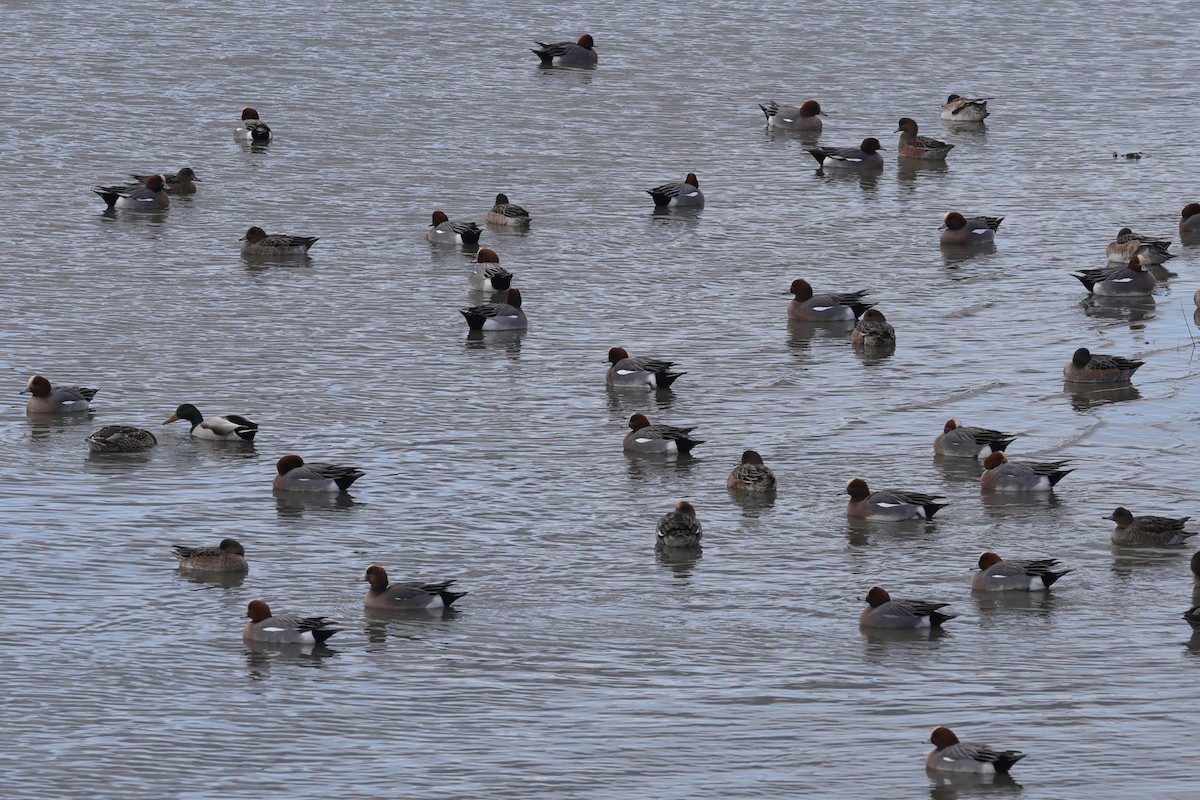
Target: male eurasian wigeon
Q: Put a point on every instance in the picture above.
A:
(120, 439)
(1131, 280)
(488, 275)
(1128, 243)
(951, 755)
(958, 441)
(182, 182)
(229, 428)
(1147, 531)
(678, 529)
(829, 307)
(873, 331)
(1002, 475)
(1195, 563)
(258, 242)
(864, 157)
(1192, 615)
(48, 400)
(251, 128)
(752, 475)
(997, 575)
(568, 54)
(406, 596)
(506, 316)
(294, 475)
(806, 117)
(1189, 221)
(1089, 367)
(284, 629)
(965, 109)
(506, 213)
(685, 194)
(443, 231)
(150, 196)
(889, 505)
(228, 556)
(638, 372)
(884, 612)
(657, 439)
(914, 146)
(958, 230)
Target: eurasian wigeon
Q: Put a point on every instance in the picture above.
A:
(951, 755)
(406, 596)
(120, 439)
(443, 231)
(488, 275)
(506, 316)
(958, 441)
(678, 529)
(581, 53)
(1147, 531)
(1192, 616)
(229, 428)
(997, 575)
(1195, 565)
(965, 109)
(914, 146)
(1089, 367)
(685, 194)
(1002, 475)
(251, 128)
(257, 242)
(1189, 221)
(638, 372)
(182, 182)
(961, 231)
(806, 117)
(284, 629)
(294, 475)
(150, 196)
(884, 612)
(889, 505)
(228, 556)
(752, 475)
(864, 157)
(1131, 280)
(873, 331)
(48, 400)
(657, 439)
(506, 213)
(829, 307)
(1128, 243)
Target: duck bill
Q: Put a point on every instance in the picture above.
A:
(170, 419)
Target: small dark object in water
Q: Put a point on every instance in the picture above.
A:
(1129, 156)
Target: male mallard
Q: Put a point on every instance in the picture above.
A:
(230, 428)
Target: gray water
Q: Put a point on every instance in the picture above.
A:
(581, 664)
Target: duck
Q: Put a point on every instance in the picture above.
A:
(406, 596)
(658, 439)
(229, 428)
(228, 556)
(48, 400)
(581, 53)
(914, 146)
(1148, 531)
(443, 231)
(686, 194)
(506, 316)
(751, 475)
(284, 629)
(640, 372)
(182, 182)
(1192, 616)
(1189, 221)
(506, 213)
(1127, 244)
(251, 128)
(293, 474)
(150, 196)
(1002, 475)
(120, 439)
(890, 505)
(960, 231)
(951, 755)
(1089, 367)
(864, 157)
(997, 575)
(678, 529)
(1131, 280)
(884, 612)
(1195, 566)
(965, 109)
(806, 117)
(258, 242)
(873, 331)
(958, 441)
(808, 307)
(488, 275)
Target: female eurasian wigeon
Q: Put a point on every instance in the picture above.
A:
(884, 612)
(638, 372)
(1131, 280)
(997, 575)
(182, 182)
(657, 439)
(889, 505)
(1128, 243)
(1189, 221)
(258, 242)
(958, 230)
(229, 428)
(443, 231)
(228, 556)
(965, 109)
(865, 156)
(969, 442)
(568, 54)
(914, 146)
(873, 331)
(506, 316)
(951, 755)
(252, 129)
(48, 400)
(488, 275)
(1002, 475)
(147, 197)
(406, 596)
(284, 629)
(808, 307)
(685, 194)
(1089, 367)
(752, 475)
(678, 529)
(294, 475)
(120, 439)
(506, 213)
(1147, 531)
(807, 117)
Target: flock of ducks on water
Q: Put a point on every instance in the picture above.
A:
(1134, 255)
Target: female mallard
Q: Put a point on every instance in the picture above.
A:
(230, 428)
(120, 439)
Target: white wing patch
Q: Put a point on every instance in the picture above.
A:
(882, 504)
(822, 308)
(274, 630)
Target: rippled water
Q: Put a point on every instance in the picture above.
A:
(581, 664)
